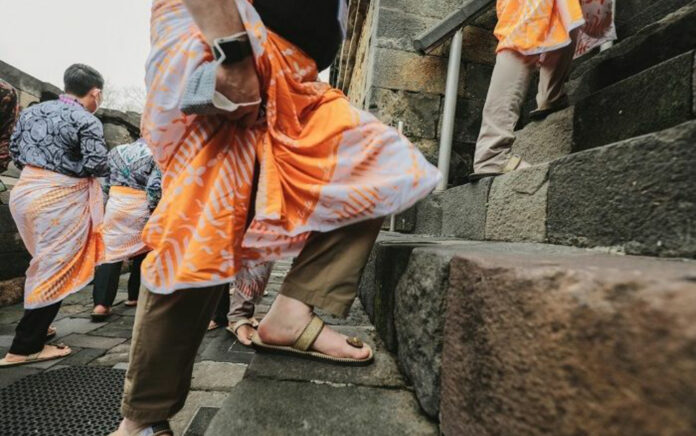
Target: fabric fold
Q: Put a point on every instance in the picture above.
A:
(59, 219)
(126, 214)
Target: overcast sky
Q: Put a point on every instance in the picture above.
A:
(43, 37)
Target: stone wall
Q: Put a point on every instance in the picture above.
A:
(389, 78)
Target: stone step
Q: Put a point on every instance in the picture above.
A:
(635, 196)
(520, 338)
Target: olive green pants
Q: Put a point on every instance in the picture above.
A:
(169, 329)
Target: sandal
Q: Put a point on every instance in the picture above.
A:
(156, 429)
(131, 303)
(515, 162)
(100, 317)
(232, 328)
(302, 345)
(35, 358)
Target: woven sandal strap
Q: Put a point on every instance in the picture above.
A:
(242, 322)
(309, 335)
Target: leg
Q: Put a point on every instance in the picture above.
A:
(30, 334)
(223, 306)
(554, 72)
(241, 307)
(106, 279)
(509, 83)
(134, 279)
(163, 351)
(324, 275)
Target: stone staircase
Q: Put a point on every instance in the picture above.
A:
(510, 303)
(613, 170)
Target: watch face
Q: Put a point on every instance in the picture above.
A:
(232, 51)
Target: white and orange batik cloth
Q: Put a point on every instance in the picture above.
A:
(323, 164)
(126, 214)
(533, 27)
(59, 219)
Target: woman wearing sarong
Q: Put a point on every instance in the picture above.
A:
(327, 175)
(57, 206)
(133, 188)
(530, 32)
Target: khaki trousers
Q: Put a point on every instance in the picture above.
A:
(169, 329)
(506, 93)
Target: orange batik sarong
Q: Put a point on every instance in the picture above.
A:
(536, 26)
(58, 218)
(323, 164)
(126, 214)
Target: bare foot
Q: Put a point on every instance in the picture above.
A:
(287, 319)
(244, 333)
(100, 309)
(212, 325)
(49, 351)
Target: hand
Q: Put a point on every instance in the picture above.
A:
(240, 84)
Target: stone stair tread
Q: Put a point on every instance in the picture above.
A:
(254, 407)
(382, 373)
(517, 322)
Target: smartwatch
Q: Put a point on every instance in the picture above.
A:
(232, 49)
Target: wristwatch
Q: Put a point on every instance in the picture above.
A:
(232, 49)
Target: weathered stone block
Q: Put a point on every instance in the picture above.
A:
(253, 408)
(397, 69)
(397, 28)
(418, 111)
(478, 79)
(429, 216)
(468, 119)
(637, 194)
(419, 320)
(216, 376)
(115, 134)
(544, 141)
(517, 205)
(11, 291)
(652, 100)
(464, 210)
(568, 343)
(633, 15)
(382, 373)
(431, 8)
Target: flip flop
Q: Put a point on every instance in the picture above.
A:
(34, 358)
(100, 317)
(302, 345)
(239, 324)
(156, 429)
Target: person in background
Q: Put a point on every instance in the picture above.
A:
(237, 306)
(57, 205)
(328, 174)
(8, 117)
(543, 32)
(133, 187)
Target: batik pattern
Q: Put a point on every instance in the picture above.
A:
(323, 164)
(60, 136)
(58, 218)
(126, 214)
(133, 166)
